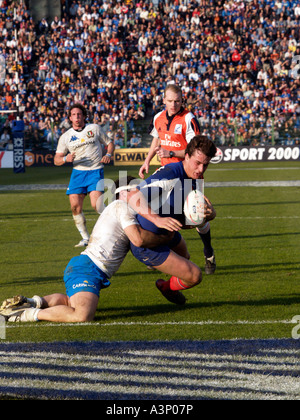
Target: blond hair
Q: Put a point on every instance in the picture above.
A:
(173, 88)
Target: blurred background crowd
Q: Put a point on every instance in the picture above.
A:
(238, 63)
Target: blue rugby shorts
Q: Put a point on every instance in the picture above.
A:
(83, 182)
(155, 257)
(82, 275)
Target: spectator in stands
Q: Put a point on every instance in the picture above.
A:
(135, 141)
(4, 139)
(203, 46)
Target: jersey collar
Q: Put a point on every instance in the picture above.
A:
(79, 131)
(170, 119)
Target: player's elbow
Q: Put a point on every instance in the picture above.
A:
(142, 238)
(138, 242)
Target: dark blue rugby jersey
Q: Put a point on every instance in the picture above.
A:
(165, 192)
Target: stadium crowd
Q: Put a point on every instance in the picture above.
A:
(238, 63)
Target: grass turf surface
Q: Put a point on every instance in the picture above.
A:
(254, 293)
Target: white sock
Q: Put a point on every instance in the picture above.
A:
(30, 315)
(80, 223)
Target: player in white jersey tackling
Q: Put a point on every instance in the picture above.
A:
(88, 273)
(82, 146)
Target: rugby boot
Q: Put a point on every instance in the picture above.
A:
(173, 296)
(16, 302)
(210, 265)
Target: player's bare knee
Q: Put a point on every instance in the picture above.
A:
(75, 210)
(197, 277)
(200, 278)
(83, 317)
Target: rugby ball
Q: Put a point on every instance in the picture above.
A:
(194, 208)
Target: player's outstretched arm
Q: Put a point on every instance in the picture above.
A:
(151, 154)
(137, 201)
(145, 239)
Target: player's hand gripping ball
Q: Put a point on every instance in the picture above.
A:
(194, 208)
(198, 209)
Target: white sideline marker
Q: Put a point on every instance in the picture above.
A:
(151, 324)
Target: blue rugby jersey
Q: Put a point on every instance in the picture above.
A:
(166, 191)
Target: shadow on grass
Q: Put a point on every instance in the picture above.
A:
(257, 268)
(42, 214)
(263, 203)
(227, 269)
(140, 311)
(32, 281)
(264, 235)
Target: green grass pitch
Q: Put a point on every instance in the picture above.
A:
(254, 293)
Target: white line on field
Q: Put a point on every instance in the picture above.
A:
(52, 187)
(259, 217)
(153, 324)
(253, 184)
(138, 371)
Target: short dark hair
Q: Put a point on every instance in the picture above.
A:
(79, 106)
(202, 143)
(123, 182)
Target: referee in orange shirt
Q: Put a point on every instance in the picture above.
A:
(172, 130)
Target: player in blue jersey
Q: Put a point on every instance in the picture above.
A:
(172, 130)
(165, 191)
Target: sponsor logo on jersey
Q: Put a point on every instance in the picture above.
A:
(170, 143)
(178, 129)
(167, 141)
(83, 142)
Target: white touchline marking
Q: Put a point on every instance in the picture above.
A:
(53, 187)
(146, 323)
(252, 184)
(259, 217)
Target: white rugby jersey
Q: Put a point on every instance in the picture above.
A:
(86, 144)
(108, 244)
